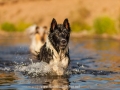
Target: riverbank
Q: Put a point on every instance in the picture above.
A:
(83, 34)
(42, 11)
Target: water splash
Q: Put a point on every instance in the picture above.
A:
(42, 69)
(34, 69)
(5, 69)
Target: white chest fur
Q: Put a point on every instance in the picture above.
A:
(60, 61)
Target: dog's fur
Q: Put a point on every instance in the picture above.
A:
(56, 51)
(38, 37)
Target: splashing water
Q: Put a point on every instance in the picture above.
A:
(34, 69)
(43, 69)
(5, 68)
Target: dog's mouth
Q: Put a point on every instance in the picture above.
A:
(62, 46)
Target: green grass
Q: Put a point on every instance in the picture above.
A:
(78, 26)
(21, 26)
(104, 25)
(6, 26)
(18, 27)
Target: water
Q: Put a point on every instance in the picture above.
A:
(95, 64)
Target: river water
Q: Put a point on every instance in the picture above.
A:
(95, 64)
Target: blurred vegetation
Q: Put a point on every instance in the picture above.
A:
(101, 25)
(78, 26)
(79, 18)
(21, 26)
(119, 22)
(104, 25)
(6, 26)
(10, 27)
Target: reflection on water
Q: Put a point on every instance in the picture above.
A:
(91, 61)
(58, 83)
(104, 51)
(7, 78)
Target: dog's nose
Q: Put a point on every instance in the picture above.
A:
(63, 41)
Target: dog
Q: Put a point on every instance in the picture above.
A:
(56, 51)
(37, 36)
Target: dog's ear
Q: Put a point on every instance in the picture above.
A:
(66, 24)
(45, 27)
(53, 25)
(37, 29)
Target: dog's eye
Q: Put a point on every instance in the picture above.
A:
(57, 33)
(65, 35)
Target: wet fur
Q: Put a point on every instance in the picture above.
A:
(51, 51)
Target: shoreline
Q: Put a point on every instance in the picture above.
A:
(86, 35)
(4, 34)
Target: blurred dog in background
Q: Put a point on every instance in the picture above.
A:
(37, 36)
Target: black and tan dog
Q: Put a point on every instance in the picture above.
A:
(56, 51)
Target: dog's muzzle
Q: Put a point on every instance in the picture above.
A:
(63, 43)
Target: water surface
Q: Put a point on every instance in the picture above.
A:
(95, 64)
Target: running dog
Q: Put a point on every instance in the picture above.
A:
(38, 37)
(56, 51)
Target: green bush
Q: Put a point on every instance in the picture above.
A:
(8, 26)
(104, 25)
(21, 26)
(78, 26)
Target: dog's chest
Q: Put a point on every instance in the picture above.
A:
(60, 60)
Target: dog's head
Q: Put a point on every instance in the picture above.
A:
(59, 34)
(41, 31)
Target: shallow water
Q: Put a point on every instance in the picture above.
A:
(95, 64)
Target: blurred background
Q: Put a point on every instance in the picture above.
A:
(87, 17)
(95, 20)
